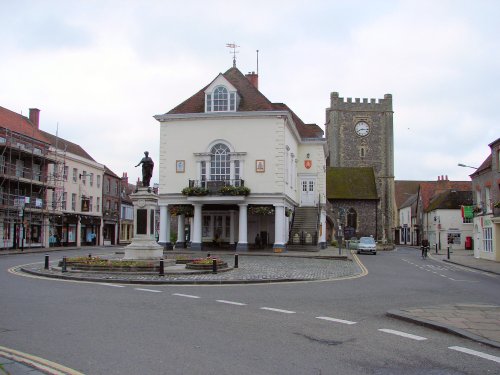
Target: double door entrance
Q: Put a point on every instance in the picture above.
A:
(307, 191)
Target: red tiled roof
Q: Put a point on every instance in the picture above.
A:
(305, 130)
(110, 172)
(20, 124)
(404, 189)
(63, 144)
(251, 99)
(429, 189)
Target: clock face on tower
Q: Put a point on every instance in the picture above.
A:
(362, 128)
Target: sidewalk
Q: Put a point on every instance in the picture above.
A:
(474, 321)
(477, 322)
(466, 258)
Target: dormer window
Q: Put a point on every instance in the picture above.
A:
(221, 100)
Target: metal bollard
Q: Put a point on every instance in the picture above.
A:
(448, 251)
(46, 266)
(214, 265)
(436, 248)
(63, 268)
(162, 268)
(235, 260)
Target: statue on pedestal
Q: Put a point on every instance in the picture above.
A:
(147, 169)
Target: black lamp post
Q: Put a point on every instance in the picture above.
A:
(22, 228)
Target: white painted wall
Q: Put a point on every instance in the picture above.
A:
(447, 221)
(259, 138)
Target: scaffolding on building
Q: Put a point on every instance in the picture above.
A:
(30, 171)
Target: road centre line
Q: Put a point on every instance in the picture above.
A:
(278, 310)
(403, 334)
(231, 302)
(476, 353)
(148, 290)
(184, 295)
(335, 320)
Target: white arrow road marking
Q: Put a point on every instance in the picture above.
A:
(476, 353)
(278, 310)
(148, 290)
(185, 295)
(231, 302)
(403, 334)
(335, 320)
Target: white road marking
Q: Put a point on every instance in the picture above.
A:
(476, 353)
(113, 285)
(335, 320)
(185, 295)
(403, 334)
(231, 302)
(148, 290)
(278, 310)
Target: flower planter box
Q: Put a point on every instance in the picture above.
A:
(96, 268)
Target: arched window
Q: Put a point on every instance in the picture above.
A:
(220, 166)
(352, 218)
(221, 99)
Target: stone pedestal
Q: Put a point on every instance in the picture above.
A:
(144, 245)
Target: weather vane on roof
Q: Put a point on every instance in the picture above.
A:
(233, 46)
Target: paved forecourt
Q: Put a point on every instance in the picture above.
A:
(252, 268)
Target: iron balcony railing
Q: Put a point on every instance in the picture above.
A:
(214, 186)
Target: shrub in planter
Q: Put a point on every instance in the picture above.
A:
(205, 263)
(196, 191)
(234, 190)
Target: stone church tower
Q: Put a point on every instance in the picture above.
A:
(359, 135)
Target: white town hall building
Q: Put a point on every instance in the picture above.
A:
(234, 165)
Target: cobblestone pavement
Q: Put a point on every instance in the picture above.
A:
(252, 269)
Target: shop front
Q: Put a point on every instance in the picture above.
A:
(90, 229)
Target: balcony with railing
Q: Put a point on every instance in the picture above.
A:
(216, 187)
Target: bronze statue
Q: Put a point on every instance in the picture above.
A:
(147, 169)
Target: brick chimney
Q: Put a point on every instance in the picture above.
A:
(125, 178)
(253, 78)
(35, 117)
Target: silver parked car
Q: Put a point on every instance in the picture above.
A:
(367, 245)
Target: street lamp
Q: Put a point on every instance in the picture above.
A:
(466, 166)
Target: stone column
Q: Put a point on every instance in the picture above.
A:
(163, 229)
(279, 228)
(322, 231)
(242, 234)
(196, 232)
(231, 228)
(180, 244)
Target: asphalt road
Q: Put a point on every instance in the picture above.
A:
(332, 327)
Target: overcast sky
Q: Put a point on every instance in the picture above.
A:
(100, 70)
